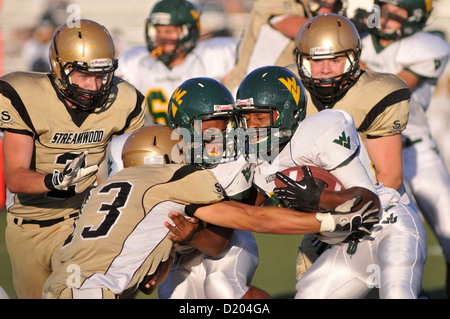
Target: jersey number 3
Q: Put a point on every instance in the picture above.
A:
(111, 209)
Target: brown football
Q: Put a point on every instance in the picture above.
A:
(320, 175)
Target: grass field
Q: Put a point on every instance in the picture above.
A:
(276, 272)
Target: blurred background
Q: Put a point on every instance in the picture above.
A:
(26, 29)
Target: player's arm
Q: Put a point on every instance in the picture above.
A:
(329, 200)
(17, 154)
(307, 195)
(289, 25)
(211, 240)
(19, 178)
(410, 78)
(386, 154)
(268, 219)
(277, 220)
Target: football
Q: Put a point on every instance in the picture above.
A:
(321, 176)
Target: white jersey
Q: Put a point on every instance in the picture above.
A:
(426, 61)
(212, 58)
(115, 163)
(328, 140)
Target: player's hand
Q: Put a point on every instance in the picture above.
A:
(359, 19)
(151, 282)
(148, 285)
(299, 195)
(346, 218)
(183, 228)
(72, 173)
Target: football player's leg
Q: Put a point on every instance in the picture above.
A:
(309, 250)
(402, 255)
(336, 275)
(185, 279)
(230, 274)
(429, 181)
(29, 275)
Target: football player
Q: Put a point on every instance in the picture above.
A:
(401, 47)
(126, 240)
(120, 237)
(269, 34)
(57, 127)
(328, 52)
(202, 107)
(272, 102)
(174, 54)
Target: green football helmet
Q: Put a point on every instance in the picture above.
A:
(265, 90)
(195, 101)
(418, 13)
(180, 13)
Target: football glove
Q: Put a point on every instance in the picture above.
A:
(71, 174)
(343, 218)
(299, 195)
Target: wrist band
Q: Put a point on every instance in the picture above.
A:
(327, 223)
(48, 182)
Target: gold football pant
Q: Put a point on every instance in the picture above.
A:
(32, 249)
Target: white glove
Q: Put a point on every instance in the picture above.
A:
(71, 174)
(344, 219)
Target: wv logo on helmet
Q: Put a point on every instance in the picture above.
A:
(293, 87)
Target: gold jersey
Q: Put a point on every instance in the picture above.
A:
(378, 102)
(30, 104)
(120, 235)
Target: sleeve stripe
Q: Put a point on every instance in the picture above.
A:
(387, 101)
(137, 110)
(10, 93)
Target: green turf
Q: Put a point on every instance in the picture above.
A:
(276, 271)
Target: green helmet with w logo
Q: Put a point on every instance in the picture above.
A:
(197, 100)
(278, 92)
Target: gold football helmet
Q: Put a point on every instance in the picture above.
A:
(153, 144)
(325, 37)
(87, 47)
